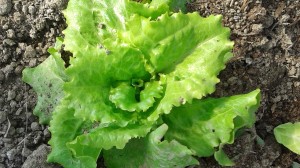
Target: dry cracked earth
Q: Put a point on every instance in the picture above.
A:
(266, 56)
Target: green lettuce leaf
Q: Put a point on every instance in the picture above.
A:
(289, 135)
(65, 128)
(187, 52)
(47, 80)
(136, 66)
(92, 23)
(106, 138)
(209, 123)
(178, 5)
(124, 96)
(150, 152)
(222, 158)
(89, 86)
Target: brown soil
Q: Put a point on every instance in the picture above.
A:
(266, 56)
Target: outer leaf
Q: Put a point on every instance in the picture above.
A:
(178, 5)
(222, 158)
(208, 123)
(64, 128)
(168, 40)
(47, 80)
(107, 137)
(289, 135)
(92, 23)
(150, 152)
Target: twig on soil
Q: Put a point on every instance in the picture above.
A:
(23, 140)
(9, 125)
(245, 4)
(243, 34)
(231, 3)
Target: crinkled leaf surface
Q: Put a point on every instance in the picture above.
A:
(205, 124)
(92, 23)
(132, 63)
(150, 152)
(89, 88)
(187, 51)
(47, 80)
(178, 5)
(289, 135)
(108, 137)
(64, 128)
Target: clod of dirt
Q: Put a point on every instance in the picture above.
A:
(29, 52)
(11, 154)
(26, 152)
(11, 95)
(38, 158)
(3, 116)
(61, 4)
(5, 6)
(35, 126)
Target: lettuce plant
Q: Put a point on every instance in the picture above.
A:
(288, 134)
(137, 85)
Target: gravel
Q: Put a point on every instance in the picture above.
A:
(5, 7)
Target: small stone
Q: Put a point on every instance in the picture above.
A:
(19, 97)
(18, 69)
(284, 18)
(40, 24)
(25, 9)
(20, 130)
(18, 18)
(18, 112)
(232, 80)
(268, 22)
(32, 33)
(31, 10)
(9, 42)
(11, 154)
(38, 158)
(10, 33)
(13, 104)
(18, 6)
(5, 27)
(3, 116)
(5, 7)
(38, 137)
(35, 126)
(32, 62)
(26, 152)
(292, 71)
(248, 60)
(7, 140)
(296, 84)
(2, 76)
(46, 133)
(257, 28)
(12, 131)
(29, 52)
(11, 95)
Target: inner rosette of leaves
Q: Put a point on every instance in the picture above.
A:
(135, 85)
